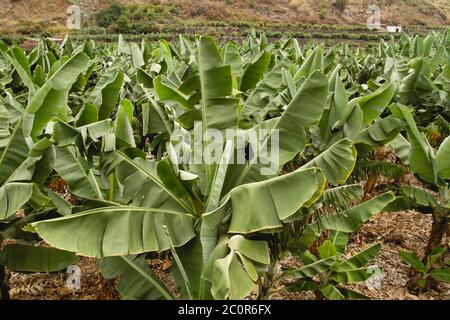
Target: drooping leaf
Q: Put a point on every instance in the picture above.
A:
(255, 70)
(344, 196)
(421, 155)
(354, 275)
(350, 220)
(230, 280)
(74, 169)
(373, 105)
(12, 197)
(18, 257)
(313, 269)
(137, 282)
(332, 293)
(255, 250)
(337, 162)
(263, 205)
(412, 259)
(116, 231)
(420, 196)
(381, 132)
(51, 99)
(359, 260)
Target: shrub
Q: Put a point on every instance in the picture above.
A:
(28, 27)
(340, 5)
(147, 27)
(106, 17)
(122, 25)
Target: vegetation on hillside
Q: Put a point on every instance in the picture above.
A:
(28, 16)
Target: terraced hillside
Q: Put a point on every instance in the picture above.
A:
(34, 15)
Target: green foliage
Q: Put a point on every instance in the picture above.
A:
(92, 137)
(108, 16)
(429, 271)
(367, 169)
(340, 5)
(326, 271)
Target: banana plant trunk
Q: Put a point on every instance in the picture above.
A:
(4, 279)
(438, 229)
(4, 288)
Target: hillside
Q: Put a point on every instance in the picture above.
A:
(17, 15)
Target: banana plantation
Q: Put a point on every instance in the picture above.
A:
(94, 140)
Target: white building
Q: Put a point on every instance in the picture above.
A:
(394, 29)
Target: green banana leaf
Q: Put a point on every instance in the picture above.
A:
(332, 293)
(106, 92)
(137, 280)
(441, 274)
(350, 220)
(337, 162)
(443, 159)
(74, 169)
(264, 205)
(234, 276)
(13, 196)
(421, 155)
(313, 269)
(312, 63)
(116, 231)
(26, 258)
(381, 132)
(417, 80)
(359, 260)
(420, 196)
(255, 70)
(218, 110)
(51, 99)
(372, 105)
(354, 275)
(412, 259)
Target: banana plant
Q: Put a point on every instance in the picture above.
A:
(322, 245)
(365, 121)
(208, 216)
(108, 123)
(419, 69)
(332, 271)
(26, 158)
(429, 271)
(432, 168)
